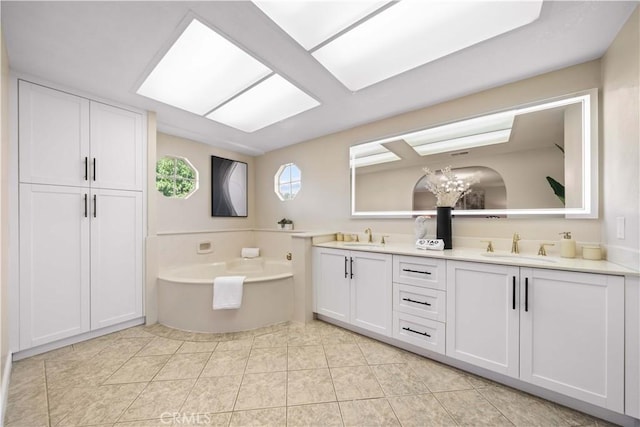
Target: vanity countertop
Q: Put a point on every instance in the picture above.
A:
(498, 257)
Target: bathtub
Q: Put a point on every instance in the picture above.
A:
(185, 295)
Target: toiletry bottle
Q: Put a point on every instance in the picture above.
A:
(567, 245)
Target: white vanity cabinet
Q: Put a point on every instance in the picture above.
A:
(483, 315)
(353, 287)
(81, 215)
(560, 330)
(572, 334)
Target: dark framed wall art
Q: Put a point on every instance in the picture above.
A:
(228, 187)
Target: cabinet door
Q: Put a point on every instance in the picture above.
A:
(331, 283)
(54, 264)
(116, 257)
(54, 136)
(371, 291)
(572, 334)
(116, 148)
(483, 315)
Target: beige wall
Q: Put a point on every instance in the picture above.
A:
(324, 201)
(4, 213)
(194, 213)
(620, 155)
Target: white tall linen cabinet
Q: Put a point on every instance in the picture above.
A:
(81, 214)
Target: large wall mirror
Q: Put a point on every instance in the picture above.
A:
(534, 159)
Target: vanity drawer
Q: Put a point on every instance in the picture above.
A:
(421, 302)
(418, 271)
(424, 333)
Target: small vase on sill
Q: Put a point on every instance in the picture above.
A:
(443, 225)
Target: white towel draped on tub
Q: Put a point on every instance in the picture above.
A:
(250, 252)
(227, 292)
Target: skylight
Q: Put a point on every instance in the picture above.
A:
(272, 100)
(312, 22)
(201, 70)
(412, 33)
(206, 74)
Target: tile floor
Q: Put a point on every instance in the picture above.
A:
(284, 375)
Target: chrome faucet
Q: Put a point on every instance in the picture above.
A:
(514, 245)
(368, 231)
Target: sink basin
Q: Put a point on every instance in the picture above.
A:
(363, 245)
(520, 257)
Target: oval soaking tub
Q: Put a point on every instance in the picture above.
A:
(185, 295)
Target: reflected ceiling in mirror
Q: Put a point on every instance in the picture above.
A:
(543, 155)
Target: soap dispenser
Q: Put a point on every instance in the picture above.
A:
(567, 245)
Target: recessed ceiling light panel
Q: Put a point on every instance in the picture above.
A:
(268, 102)
(412, 33)
(312, 22)
(201, 70)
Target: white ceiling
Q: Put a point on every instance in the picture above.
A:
(107, 48)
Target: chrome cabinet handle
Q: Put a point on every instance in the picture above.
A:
(86, 168)
(95, 206)
(85, 206)
(94, 168)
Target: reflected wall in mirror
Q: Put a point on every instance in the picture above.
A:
(537, 159)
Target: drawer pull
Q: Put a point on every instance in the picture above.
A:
(417, 332)
(408, 270)
(417, 302)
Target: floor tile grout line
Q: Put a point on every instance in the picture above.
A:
(46, 392)
(496, 408)
(235, 401)
(394, 411)
(81, 360)
(123, 363)
(196, 379)
(149, 382)
(445, 408)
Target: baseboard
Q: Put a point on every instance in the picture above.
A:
(76, 339)
(4, 388)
